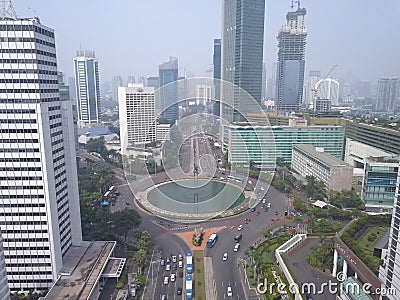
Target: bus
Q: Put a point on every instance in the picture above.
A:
(111, 189)
(212, 240)
(189, 262)
(107, 195)
(233, 178)
(189, 287)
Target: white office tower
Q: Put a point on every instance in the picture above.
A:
(390, 272)
(4, 289)
(39, 200)
(136, 116)
(87, 87)
(328, 89)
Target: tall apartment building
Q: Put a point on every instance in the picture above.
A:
(390, 272)
(313, 161)
(137, 116)
(291, 61)
(4, 289)
(217, 75)
(387, 94)
(168, 93)
(87, 87)
(263, 144)
(379, 184)
(39, 201)
(242, 55)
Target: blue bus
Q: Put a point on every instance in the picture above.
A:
(189, 262)
(189, 287)
(212, 240)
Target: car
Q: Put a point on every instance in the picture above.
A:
(168, 267)
(262, 189)
(173, 277)
(174, 267)
(238, 237)
(166, 280)
(180, 264)
(272, 220)
(236, 248)
(229, 292)
(180, 257)
(164, 297)
(168, 260)
(253, 209)
(174, 258)
(179, 291)
(162, 262)
(127, 203)
(225, 257)
(269, 205)
(240, 227)
(180, 274)
(264, 201)
(258, 213)
(276, 213)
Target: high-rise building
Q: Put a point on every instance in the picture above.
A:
(387, 94)
(168, 75)
(39, 200)
(153, 82)
(390, 272)
(217, 76)
(136, 116)
(116, 82)
(242, 55)
(271, 82)
(328, 89)
(309, 91)
(4, 289)
(203, 94)
(87, 87)
(63, 89)
(291, 61)
(264, 82)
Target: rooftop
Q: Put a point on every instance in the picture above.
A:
(323, 157)
(81, 272)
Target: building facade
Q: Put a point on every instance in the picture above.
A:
(390, 272)
(203, 94)
(137, 116)
(217, 76)
(309, 94)
(291, 61)
(312, 161)
(4, 289)
(263, 144)
(387, 94)
(379, 184)
(242, 54)
(39, 200)
(87, 87)
(163, 132)
(168, 93)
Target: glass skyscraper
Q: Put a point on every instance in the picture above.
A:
(87, 87)
(242, 54)
(291, 61)
(217, 75)
(168, 93)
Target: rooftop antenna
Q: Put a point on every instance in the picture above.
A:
(7, 10)
(298, 4)
(291, 6)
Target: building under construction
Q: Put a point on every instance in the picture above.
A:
(291, 60)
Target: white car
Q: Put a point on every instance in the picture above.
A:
(173, 276)
(180, 257)
(240, 227)
(236, 248)
(166, 280)
(262, 189)
(269, 205)
(173, 258)
(180, 264)
(168, 267)
(264, 200)
(229, 291)
(225, 257)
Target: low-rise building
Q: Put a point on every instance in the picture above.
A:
(379, 184)
(333, 172)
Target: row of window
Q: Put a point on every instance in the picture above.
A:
(57, 142)
(17, 111)
(22, 205)
(19, 159)
(28, 265)
(26, 40)
(19, 141)
(27, 71)
(20, 187)
(29, 273)
(22, 178)
(17, 231)
(58, 159)
(28, 61)
(21, 256)
(40, 52)
(24, 80)
(34, 101)
(55, 125)
(59, 167)
(21, 223)
(18, 121)
(18, 130)
(23, 214)
(18, 169)
(16, 91)
(51, 108)
(56, 133)
(54, 117)
(19, 150)
(60, 174)
(16, 27)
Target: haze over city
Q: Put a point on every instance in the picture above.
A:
(134, 37)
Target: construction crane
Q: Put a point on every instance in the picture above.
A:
(7, 10)
(326, 76)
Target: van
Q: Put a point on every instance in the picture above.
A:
(166, 280)
(238, 237)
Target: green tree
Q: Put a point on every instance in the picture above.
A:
(140, 259)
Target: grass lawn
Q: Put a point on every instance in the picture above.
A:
(199, 289)
(375, 233)
(265, 251)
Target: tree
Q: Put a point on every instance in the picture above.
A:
(140, 259)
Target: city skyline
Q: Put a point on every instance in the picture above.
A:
(353, 38)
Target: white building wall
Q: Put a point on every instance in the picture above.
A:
(4, 289)
(39, 206)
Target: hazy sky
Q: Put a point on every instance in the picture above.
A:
(134, 37)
